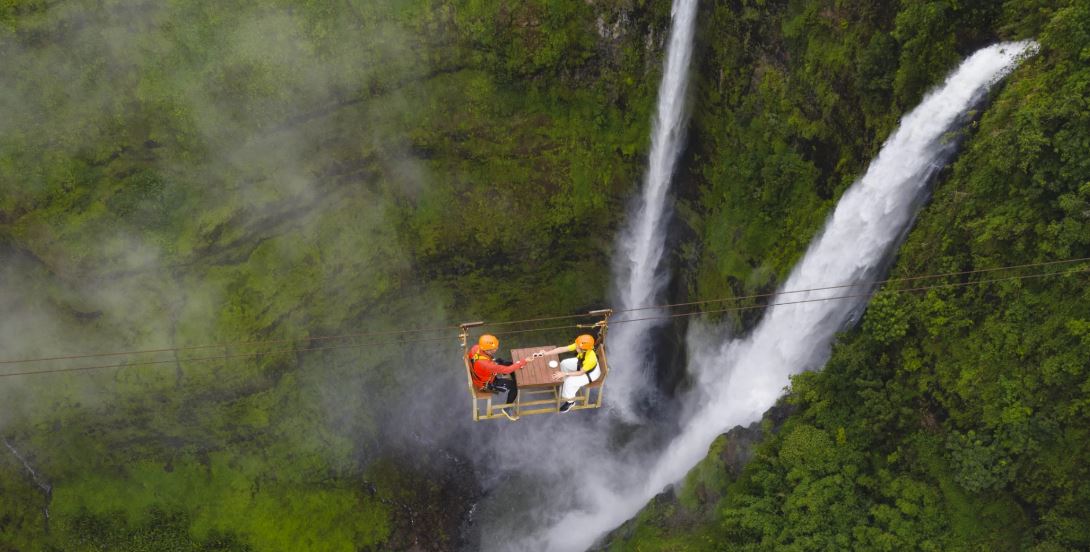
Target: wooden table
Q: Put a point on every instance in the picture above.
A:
(536, 373)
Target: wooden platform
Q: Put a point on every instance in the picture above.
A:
(538, 392)
(536, 373)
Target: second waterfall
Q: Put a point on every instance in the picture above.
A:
(740, 379)
(639, 273)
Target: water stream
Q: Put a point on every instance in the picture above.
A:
(741, 379)
(639, 272)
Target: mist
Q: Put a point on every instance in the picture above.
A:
(179, 167)
(229, 187)
(740, 379)
(209, 181)
(640, 271)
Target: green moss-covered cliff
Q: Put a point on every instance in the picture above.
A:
(951, 419)
(267, 192)
(258, 188)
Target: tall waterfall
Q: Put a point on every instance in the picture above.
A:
(638, 272)
(742, 379)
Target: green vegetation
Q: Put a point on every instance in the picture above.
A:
(794, 99)
(281, 515)
(953, 419)
(175, 175)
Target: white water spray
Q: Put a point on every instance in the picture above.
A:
(742, 379)
(638, 274)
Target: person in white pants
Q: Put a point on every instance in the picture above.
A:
(580, 370)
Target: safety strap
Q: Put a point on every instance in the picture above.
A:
(491, 377)
(581, 369)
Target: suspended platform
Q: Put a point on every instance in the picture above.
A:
(538, 392)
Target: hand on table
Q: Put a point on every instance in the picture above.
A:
(557, 376)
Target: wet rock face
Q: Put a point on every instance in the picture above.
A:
(741, 441)
(623, 28)
(429, 499)
(738, 449)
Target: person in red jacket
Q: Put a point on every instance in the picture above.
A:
(486, 369)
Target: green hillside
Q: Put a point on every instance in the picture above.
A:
(263, 191)
(952, 418)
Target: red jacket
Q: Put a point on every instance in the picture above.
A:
(484, 369)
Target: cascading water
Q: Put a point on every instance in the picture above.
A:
(742, 379)
(638, 282)
(638, 272)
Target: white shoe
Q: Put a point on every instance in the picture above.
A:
(508, 414)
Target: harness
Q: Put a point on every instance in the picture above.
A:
(488, 386)
(581, 355)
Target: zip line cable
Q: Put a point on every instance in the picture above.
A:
(860, 284)
(856, 295)
(436, 339)
(222, 345)
(495, 324)
(542, 319)
(211, 358)
(256, 354)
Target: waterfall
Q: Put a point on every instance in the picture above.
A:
(513, 522)
(638, 272)
(45, 486)
(42, 484)
(742, 379)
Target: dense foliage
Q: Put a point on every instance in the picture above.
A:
(267, 174)
(264, 175)
(794, 99)
(955, 418)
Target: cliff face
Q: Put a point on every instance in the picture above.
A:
(939, 422)
(263, 197)
(686, 516)
(260, 191)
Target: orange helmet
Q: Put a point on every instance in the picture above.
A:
(584, 342)
(488, 342)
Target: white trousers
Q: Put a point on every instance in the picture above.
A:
(572, 385)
